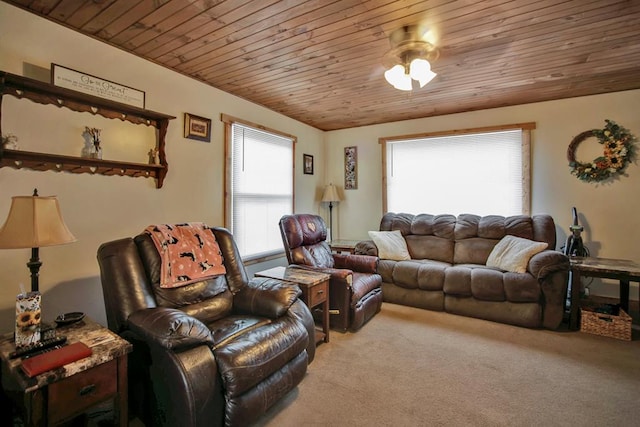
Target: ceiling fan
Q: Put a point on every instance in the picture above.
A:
(409, 58)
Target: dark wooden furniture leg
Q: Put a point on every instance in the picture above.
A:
(325, 318)
(122, 399)
(624, 295)
(575, 299)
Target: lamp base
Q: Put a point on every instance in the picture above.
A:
(330, 221)
(34, 265)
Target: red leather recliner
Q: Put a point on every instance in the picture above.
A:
(355, 293)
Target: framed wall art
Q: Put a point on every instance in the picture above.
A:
(350, 168)
(308, 164)
(198, 128)
(96, 86)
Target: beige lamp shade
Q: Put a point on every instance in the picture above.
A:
(330, 194)
(34, 222)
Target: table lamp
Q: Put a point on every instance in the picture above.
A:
(330, 195)
(34, 222)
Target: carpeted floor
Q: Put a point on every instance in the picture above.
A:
(412, 367)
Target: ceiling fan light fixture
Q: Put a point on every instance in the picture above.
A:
(409, 58)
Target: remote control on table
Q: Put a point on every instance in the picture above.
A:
(32, 349)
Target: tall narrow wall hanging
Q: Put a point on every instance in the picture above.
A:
(618, 151)
(350, 168)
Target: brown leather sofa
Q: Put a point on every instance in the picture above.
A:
(354, 289)
(447, 270)
(218, 351)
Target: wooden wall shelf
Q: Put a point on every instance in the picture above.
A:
(19, 159)
(44, 93)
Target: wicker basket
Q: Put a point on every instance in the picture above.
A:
(606, 325)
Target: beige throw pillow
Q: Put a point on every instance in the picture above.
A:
(390, 244)
(513, 253)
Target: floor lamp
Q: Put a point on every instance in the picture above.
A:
(34, 222)
(331, 196)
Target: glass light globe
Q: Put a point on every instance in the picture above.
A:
(397, 77)
(420, 70)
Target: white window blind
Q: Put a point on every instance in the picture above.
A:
(261, 189)
(479, 173)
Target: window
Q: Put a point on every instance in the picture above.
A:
(259, 186)
(478, 171)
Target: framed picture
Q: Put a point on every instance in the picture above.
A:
(198, 128)
(96, 86)
(308, 164)
(350, 168)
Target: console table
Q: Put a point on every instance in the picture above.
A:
(623, 270)
(61, 394)
(315, 291)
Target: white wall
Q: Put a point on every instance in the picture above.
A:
(609, 212)
(100, 208)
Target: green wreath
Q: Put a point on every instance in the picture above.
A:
(618, 152)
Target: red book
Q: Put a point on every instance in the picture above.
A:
(55, 358)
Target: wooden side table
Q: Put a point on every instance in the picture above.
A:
(63, 393)
(340, 246)
(623, 270)
(315, 291)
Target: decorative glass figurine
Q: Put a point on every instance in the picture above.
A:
(10, 141)
(92, 147)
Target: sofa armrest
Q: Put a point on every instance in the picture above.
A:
(266, 297)
(366, 247)
(170, 328)
(358, 263)
(547, 262)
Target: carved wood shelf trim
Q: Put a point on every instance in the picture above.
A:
(45, 93)
(19, 159)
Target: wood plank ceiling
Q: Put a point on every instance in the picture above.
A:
(321, 61)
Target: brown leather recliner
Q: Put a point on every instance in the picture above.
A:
(218, 351)
(355, 294)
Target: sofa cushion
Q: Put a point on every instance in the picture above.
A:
(466, 226)
(436, 225)
(472, 250)
(519, 225)
(457, 281)
(385, 269)
(390, 244)
(396, 221)
(513, 253)
(423, 274)
(486, 284)
(430, 247)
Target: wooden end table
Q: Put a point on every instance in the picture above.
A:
(623, 270)
(63, 393)
(315, 291)
(340, 246)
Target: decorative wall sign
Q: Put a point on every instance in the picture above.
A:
(350, 168)
(198, 128)
(92, 85)
(308, 164)
(618, 150)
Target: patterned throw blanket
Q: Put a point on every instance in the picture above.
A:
(189, 253)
